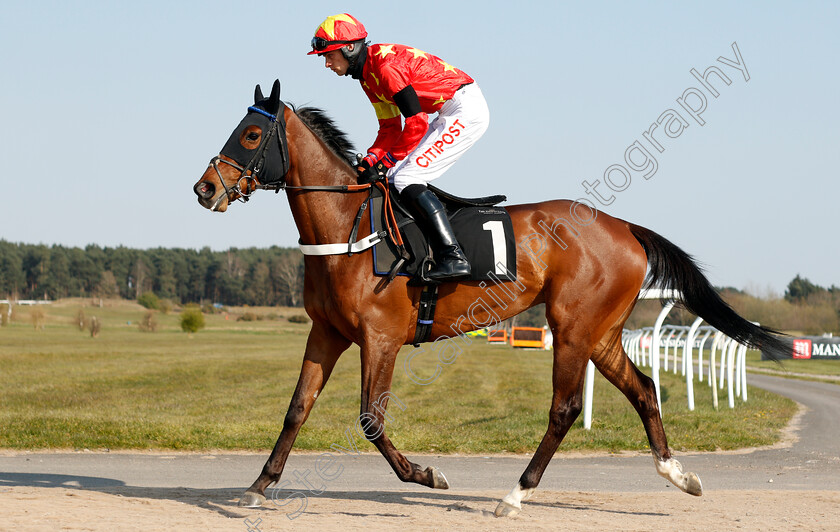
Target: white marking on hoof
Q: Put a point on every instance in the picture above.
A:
(672, 470)
(251, 500)
(506, 510)
(438, 479)
(512, 503)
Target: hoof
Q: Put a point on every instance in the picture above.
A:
(251, 500)
(505, 509)
(439, 481)
(673, 471)
(693, 485)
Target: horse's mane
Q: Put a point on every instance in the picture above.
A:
(324, 127)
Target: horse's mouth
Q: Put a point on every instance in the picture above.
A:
(208, 199)
(217, 204)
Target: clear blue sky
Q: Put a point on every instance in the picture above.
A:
(110, 111)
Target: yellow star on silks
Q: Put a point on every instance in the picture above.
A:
(382, 98)
(447, 66)
(329, 25)
(386, 49)
(374, 78)
(439, 100)
(365, 85)
(417, 53)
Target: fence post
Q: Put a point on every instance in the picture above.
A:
(700, 356)
(713, 368)
(676, 349)
(654, 351)
(742, 350)
(730, 372)
(588, 386)
(687, 363)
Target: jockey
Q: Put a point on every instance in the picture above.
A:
(405, 85)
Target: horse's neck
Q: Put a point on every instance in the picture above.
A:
(321, 217)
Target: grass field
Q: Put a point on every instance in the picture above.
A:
(228, 386)
(799, 368)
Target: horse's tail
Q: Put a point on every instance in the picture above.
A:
(671, 268)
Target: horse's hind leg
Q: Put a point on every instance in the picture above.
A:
(639, 389)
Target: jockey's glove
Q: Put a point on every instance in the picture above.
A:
(370, 172)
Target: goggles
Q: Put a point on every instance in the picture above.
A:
(319, 44)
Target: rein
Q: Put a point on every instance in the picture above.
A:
(252, 185)
(247, 183)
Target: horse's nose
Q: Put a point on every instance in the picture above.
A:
(204, 190)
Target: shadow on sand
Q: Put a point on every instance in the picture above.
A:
(223, 501)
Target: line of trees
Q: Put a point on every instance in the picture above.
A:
(805, 308)
(250, 276)
(274, 276)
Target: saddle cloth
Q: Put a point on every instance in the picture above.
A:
(484, 232)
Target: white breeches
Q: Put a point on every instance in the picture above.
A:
(458, 125)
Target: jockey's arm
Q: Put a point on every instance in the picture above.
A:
(395, 139)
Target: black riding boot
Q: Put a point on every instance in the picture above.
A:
(450, 262)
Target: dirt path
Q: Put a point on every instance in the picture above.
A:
(31, 508)
(792, 486)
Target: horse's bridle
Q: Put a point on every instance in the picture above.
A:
(249, 173)
(244, 175)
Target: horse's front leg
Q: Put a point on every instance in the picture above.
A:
(567, 401)
(378, 359)
(323, 347)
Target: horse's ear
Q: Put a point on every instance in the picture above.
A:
(258, 95)
(274, 99)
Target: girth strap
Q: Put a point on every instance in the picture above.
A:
(391, 229)
(425, 314)
(339, 249)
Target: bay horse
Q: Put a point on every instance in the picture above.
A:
(586, 266)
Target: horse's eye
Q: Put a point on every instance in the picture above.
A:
(253, 136)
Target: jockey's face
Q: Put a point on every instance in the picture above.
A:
(335, 61)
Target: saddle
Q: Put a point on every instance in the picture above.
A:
(484, 232)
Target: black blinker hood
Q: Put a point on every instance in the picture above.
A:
(269, 162)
